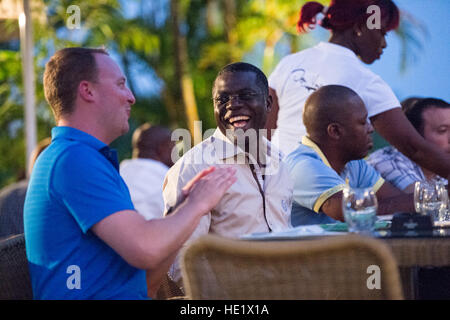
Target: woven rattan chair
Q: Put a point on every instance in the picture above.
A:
(169, 290)
(327, 268)
(15, 283)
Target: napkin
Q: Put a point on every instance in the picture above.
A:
(342, 226)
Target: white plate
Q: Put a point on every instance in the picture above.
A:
(293, 233)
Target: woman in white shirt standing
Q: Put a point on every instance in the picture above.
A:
(356, 38)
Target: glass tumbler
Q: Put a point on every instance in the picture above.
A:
(360, 209)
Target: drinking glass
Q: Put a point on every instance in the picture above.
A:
(444, 212)
(360, 209)
(430, 198)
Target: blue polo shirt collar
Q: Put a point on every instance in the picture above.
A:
(74, 134)
(309, 143)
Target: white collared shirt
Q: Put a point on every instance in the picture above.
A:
(144, 178)
(241, 209)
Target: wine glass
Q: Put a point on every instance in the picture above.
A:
(444, 213)
(430, 198)
(359, 206)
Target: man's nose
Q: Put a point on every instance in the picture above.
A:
(234, 101)
(369, 127)
(131, 98)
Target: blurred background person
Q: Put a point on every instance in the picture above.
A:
(340, 61)
(12, 198)
(431, 118)
(144, 173)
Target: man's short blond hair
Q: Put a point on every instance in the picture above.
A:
(63, 74)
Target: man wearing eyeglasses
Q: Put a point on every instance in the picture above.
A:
(260, 200)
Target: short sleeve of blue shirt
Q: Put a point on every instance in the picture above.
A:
(362, 175)
(88, 187)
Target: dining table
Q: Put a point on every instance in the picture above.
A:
(412, 250)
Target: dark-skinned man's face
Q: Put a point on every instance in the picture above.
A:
(358, 130)
(239, 103)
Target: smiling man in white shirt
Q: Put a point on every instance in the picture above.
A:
(261, 198)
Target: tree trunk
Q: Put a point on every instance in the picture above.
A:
(230, 21)
(182, 68)
(269, 50)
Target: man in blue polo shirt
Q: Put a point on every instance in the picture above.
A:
(331, 155)
(84, 240)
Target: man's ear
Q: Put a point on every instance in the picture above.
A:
(335, 130)
(86, 91)
(358, 30)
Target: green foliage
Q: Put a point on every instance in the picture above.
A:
(12, 148)
(217, 32)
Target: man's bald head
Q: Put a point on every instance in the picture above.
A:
(329, 104)
(153, 142)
